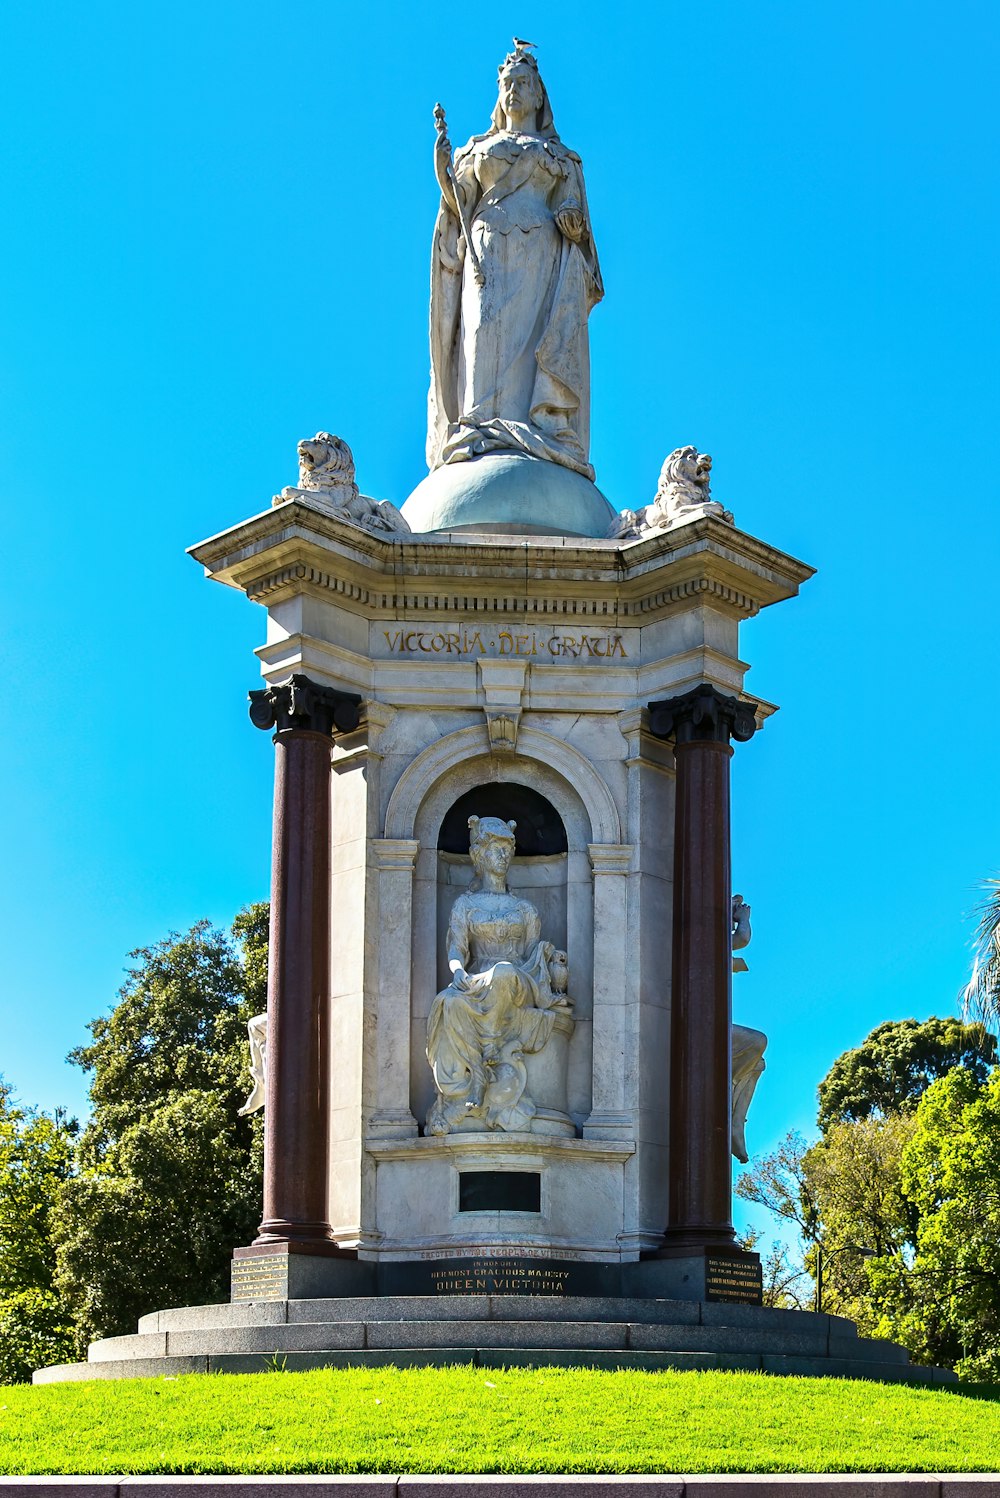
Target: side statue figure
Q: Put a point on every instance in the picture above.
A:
(514, 275)
(257, 1035)
(507, 989)
(748, 1045)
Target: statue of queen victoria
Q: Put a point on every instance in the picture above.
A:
(506, 995)
(514, 275)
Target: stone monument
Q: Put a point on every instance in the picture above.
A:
(500, 1079)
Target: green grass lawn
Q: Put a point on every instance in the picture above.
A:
(478, 1420)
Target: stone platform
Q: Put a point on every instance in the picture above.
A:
(493, 1332)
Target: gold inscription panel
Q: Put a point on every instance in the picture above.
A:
(487, 1277)
(737, 1280)
(261, 1278)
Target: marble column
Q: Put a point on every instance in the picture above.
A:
(701, 723)
(304, 716)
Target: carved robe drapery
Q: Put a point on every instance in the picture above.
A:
(510, 361)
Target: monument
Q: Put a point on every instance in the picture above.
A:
(501, 1084)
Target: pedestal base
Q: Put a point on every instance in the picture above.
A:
(503, 1331)
(290, 1271)
(709, 1275)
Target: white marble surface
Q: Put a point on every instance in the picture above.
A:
(568, 642)
(514, 275)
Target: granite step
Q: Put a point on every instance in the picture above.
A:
(495, 1358)
(466, 1308)
(811, 1340)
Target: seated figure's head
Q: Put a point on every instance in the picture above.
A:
(491, 844)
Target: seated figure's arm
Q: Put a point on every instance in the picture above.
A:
(457, 942)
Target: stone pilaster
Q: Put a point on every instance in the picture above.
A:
(701, 724)
(393, 862)
(612, 1115)
(304, 716)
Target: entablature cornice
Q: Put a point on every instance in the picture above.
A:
(294, 549)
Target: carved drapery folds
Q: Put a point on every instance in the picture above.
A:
(508, 999)
(305, 705)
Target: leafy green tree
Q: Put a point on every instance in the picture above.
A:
(778, 1182)
(841, 1194)
(853, 1174)
(892, 1069)
(36, 1158)
(943, 1301)
(169, 1174)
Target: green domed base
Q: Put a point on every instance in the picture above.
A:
(509, 494)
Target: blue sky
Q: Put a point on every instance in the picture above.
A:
(218, 224)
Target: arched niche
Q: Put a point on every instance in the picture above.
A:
(560, 884)
(541, 857)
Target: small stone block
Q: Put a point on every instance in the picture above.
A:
(812, 1485)
(210, 1318)
(578, 1485)
(112, 1349)
(868, 1350)
(314, 1486)
(297, 1276)
(268, 1340)
(59, 1487)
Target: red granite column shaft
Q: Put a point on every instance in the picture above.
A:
(296, 1112)
(700, 1190)
(701, 723)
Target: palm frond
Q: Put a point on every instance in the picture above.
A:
(981, 994)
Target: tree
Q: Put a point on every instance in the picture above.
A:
(36, 1158)
(845, 1194)
(943, 1302)
(784, 1279)
(982, 992)
(841, 1195)
(854, 1176)
(778, 1182)
(169, 1174)
(892, 1069)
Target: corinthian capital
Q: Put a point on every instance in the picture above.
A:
(304, 704)
(703, 716)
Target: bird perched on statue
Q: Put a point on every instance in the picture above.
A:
(520, 45)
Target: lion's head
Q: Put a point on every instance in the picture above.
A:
(684, 477)
(326, 462)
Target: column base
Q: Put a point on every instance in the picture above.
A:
(706, 1273)
(297, 1271)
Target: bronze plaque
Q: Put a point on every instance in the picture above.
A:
(262, 1277)
(737, 1280)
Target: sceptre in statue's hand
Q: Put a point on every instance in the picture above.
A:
(445, 172)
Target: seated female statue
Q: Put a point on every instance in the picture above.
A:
(500, 1003)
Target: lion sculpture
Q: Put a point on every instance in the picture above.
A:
(326, 474)
(682, 494)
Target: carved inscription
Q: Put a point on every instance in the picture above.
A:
(603, 645)
(261, 1278)
(738, 1280)
(486, 1277)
